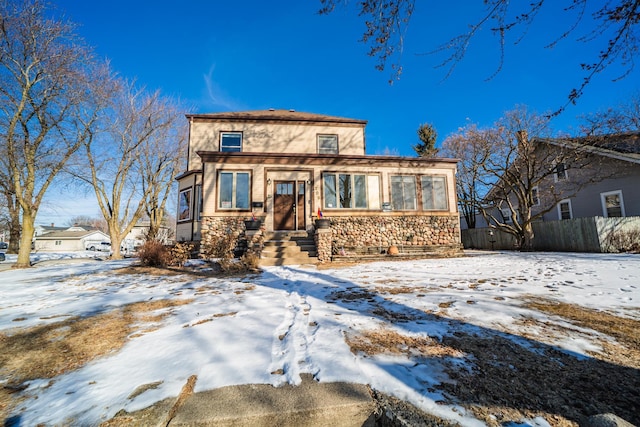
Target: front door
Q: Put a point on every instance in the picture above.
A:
(289, 205)
(284, 205)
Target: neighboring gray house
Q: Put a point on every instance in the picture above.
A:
(615, 194)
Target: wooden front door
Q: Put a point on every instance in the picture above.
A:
(289, 205)
(284, 205)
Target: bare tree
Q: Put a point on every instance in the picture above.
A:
(123, 171)
(94, 222)
(161, 160)
(46, 104)
(615, 22)
(472, 146)
(622, 119)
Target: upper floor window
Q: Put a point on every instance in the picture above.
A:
(434, 193)
(612, 204)
(327, 144)
(233, 190)
(560, 172)
(231, 142)
(535, 198)
(403, 193)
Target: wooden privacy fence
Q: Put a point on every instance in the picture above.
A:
(595, 234)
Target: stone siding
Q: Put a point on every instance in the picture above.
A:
(361, 232)
(216, 228)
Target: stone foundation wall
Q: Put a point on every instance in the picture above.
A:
(216, 228)
(358, 232)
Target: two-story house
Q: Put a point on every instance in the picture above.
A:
(287, 168)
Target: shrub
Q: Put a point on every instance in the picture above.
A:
(154, 254)
(246, 264)
(624, 241)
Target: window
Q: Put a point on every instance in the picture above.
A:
(198, 208)
(560, 172)
(403, 193)
(184, 205)
(58, 242)
(612, 204)
(351, 191)
(233, 190)
(506, 215)
(231, 142)
(434, 193)
(327, 144)
(535, 199)
(564, 209)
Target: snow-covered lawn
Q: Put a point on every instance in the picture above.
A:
(273, 326)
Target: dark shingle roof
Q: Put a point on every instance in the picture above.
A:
(276, 115)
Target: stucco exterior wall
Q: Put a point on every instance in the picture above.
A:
(273, 138)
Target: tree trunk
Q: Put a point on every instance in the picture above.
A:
(24, 253)
(527, 237)
(14, 233)
(152, 233)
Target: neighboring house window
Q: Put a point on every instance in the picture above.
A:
(351, 191)
(612, 204)
(327, 144)
(403, 193)
(564, 209)
(560, 172)
(233, 190)
(231, 142)
(58, 242)
(198, 208)
(184, 205)
(434, 193)
(535, 199)
(506, 215)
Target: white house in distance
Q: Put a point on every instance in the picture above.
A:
(74, 238)
(287, 168)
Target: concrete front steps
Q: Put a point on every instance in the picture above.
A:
(288, 248)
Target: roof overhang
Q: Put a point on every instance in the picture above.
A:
(323, 159)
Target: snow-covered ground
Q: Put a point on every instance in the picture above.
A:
(273, 326)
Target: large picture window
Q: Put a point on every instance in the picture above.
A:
(351, 191)
(184, 205)
(403, 193)
(434, 193)
(233, 190)
(231, 142)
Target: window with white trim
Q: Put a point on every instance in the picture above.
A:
(233, 190)
(535, 199)
(327, 144)
(612, 204)
(403, 192)
(184, 205)
(560, 172)
(506, 215)
(231, 142)
(434, 193)
(351, 191)
(564, 209)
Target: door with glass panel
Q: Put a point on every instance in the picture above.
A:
(288, 205)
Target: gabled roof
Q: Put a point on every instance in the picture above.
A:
(276, 115)
(625, 147)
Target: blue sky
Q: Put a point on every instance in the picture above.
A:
(250, 55)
